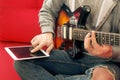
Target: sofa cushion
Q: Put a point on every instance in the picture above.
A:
(7, 71)
(19, 20)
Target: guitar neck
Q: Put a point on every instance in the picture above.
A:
(101, 37)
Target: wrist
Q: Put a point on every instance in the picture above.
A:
(107, 54)
(49, 33)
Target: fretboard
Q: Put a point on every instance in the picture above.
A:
(101, 37)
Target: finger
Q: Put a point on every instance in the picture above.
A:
(87, 36)
(33, 39)
(35, 43)
(94, 41)
(49, 48)
(37, 48)
(87, 42)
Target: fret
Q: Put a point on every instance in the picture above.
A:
(112, 40)
(79, 35)
(103, 38)
(83, 34)
(76, 36)
(107, 38)
(117, 40)
(98, 37)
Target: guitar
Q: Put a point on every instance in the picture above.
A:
(71, 20)
(101, 37)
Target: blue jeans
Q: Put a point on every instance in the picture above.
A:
(60, 66)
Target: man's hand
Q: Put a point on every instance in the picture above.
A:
(93, 48)
(43, 40)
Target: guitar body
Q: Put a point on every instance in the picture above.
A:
(72, 46)
(63, 18)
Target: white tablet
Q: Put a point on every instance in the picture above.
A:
(23, 53)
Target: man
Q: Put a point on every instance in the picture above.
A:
(98, 63)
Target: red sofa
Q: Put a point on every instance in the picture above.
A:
(18, 25)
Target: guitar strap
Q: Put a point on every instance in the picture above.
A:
(105, 12)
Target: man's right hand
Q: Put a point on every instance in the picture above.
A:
(43, 40)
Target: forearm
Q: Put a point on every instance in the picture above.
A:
(116, 29)
(116, 54)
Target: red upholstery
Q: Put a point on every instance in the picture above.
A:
(18, 25)
(7, 71)
(19, 19)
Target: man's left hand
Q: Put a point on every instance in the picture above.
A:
(95, 49)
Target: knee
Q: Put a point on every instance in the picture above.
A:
(102, 73)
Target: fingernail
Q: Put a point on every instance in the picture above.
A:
(32, 51)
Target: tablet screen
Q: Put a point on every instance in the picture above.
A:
(23, 52)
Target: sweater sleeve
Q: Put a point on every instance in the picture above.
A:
(116, 50)
(116, 23)
(48, 14)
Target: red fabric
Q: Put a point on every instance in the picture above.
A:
(18, 24)
(19, 19)
(7, 71)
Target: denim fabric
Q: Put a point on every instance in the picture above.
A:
(60, 66)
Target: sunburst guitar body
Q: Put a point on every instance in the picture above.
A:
(68, 20)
